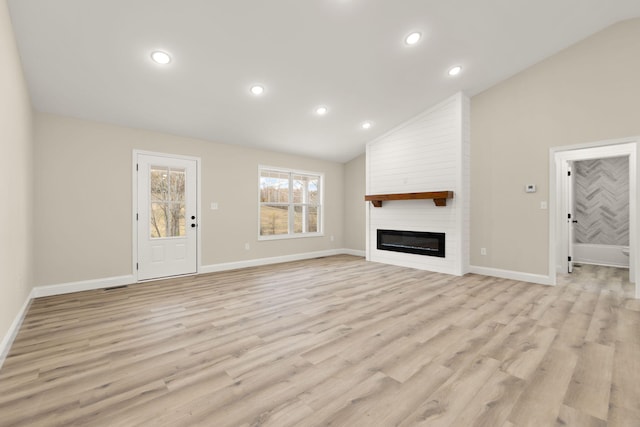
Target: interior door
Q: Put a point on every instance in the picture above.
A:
(570, 215)
(166, 216)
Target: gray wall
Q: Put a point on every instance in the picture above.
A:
(16, 182)
(602, 201)
(586, 93)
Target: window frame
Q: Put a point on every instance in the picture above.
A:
(291, 234)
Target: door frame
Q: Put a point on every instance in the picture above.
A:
(570, 205)
(558, 229)
(134, 206)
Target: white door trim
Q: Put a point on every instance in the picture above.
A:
(558, 160)
(134, 203)
(569, 208)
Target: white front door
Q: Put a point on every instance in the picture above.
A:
(166, 216)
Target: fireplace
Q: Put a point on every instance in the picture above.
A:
(412, 242)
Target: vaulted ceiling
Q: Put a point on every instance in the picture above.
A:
(92, 60)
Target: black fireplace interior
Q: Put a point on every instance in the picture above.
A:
(412, 242)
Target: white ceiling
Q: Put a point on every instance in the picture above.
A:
(91, 59)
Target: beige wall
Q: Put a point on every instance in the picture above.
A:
(16, 184)
(586, 93)
(83, 172)
(84, 190)
(355, 225)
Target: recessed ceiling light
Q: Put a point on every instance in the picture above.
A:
(160, 57)
(322, 110)
(413, 38)
(366, 125)
(257, 90)
(455, 70)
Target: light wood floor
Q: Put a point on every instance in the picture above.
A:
(334, 341)
(594, 278)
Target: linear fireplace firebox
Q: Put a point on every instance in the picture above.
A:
(412, 242)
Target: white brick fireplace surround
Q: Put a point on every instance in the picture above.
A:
(431, 152)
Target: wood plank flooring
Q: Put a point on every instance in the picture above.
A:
(334, 341)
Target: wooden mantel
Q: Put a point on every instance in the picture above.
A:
(439, 197)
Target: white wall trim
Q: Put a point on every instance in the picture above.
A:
(600, 264)
(273, 260)
(84, 285)
(512, 275)
(354, 252)
(110, 282)
(11, 334)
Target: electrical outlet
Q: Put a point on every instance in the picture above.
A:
(483, 251)
(331, 238)
(543, 205)
(247, 246)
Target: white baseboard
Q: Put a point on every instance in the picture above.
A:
(600, 264)
(275, 260)
(109, 282)
(84, 285)
(11, 334)
(354, 252)
(509, 274)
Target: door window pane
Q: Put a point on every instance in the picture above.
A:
(177, 180)
(159, 219)
(159, 183)
(167, 213)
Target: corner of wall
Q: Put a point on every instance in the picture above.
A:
(16, 184)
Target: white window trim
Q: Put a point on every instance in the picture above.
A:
(320, 233)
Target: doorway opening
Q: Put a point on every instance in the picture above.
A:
(600, 212)
(565, 163)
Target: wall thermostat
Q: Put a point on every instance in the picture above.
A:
(530, 188)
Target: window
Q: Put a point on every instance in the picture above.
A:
(290, 203)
